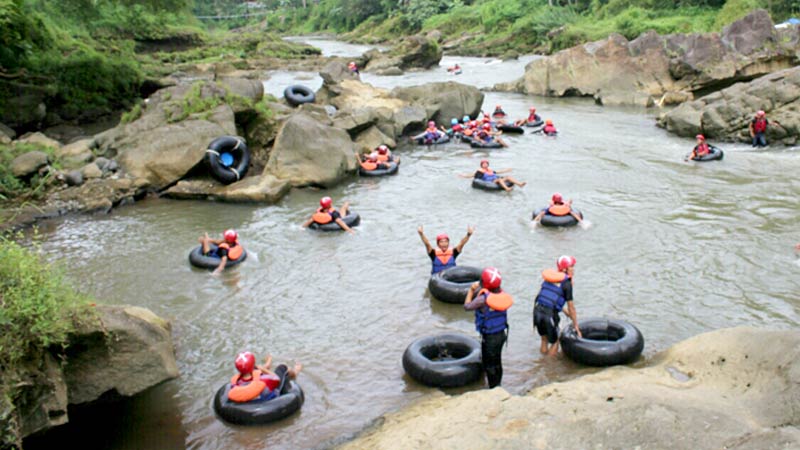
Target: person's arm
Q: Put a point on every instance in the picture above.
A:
(344, 226)
(539, 216)
(752, 131)
(425, 240)
(267, 364)
(464, 240)
(471, 304)
(307, 222)
(504, 171)
(573, 316)
(466, 175)
(221, 265)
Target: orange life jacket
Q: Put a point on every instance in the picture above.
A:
(367, 165)
(242, 394)
(444, 256)
(498, 302)
(323, 216)
(383, 158)
(553, 276)
(234, 252)
(559, 210)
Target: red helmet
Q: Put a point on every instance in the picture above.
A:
(548, 122)
(487, 126)
(325, 202)
(565, 261)
(701, 137)
(498, 107)
(431, 124)
(490, 278)
(383, 149)
(439, 237)
(761, 114)
(484, 161)
(557, 198)
(473, 124)
(230, 236)
(245, 362)
(532, 109)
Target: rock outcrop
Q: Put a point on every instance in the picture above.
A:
(660, 70)
(726, 114)
(443, 101)
(411, 52)
(127, 352)
(736, 388)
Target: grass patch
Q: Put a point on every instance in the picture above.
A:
(12, 187)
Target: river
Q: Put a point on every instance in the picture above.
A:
(675, 248)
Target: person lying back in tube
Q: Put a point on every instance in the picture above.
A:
(486, 174)
(326, 213)
(558, 207)
(455, 128)
(700, 149)
(485, 135)
(258, 382)
(443, 256)
(371, 162)
(383, 154)
(226, 249)
(532, 118)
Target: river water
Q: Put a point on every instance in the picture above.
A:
(675, 248)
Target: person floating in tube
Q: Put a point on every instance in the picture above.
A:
(490, 304)
(326, 213)
(443, 256)
(226, 249)
(485, 135)
(383, 154)
(371, 162)
(558, 207)
(700, 149)
(258, 382)
(556, 291)
(486, 174)
(532, 118)
(549, 129)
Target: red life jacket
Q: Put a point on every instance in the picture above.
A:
(701, 149)
(323, 216)
(549, 129)
(759, 125)
(234, 252)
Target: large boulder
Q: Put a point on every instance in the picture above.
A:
(335, 72)
(126, 352)
(411, 52)
(443, 101)
(27, 164)
(308, 153)
(654, 69)
(735, 388)
(726, 114)
(254, 189)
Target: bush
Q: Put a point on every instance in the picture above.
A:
(734, 10)
(11, 186)
(38, 308)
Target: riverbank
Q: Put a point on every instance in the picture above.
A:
(733, 388)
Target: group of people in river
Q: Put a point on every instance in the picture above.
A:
(490, 303)
(758, 133)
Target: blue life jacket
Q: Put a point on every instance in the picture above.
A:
(438, 265)
(551, 296)
(487, 177)
(489, 321)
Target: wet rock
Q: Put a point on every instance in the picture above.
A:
(91, 171)
(29, 163)
(726, 114)
(390, 71)
(80, 147)
(307, 152)
(355, 121)
(443, 101)
(74, 178)
(409, 119)
(39, 139)
(254, 189)
(411, 52)
(335, 72)
(7, 132)
(371, 138)
(740, 391)
(651, 67)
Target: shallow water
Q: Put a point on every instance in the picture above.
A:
(675, 248)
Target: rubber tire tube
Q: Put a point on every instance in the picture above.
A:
(298, 94)
(419, 360)
(197, 259)
(259, 412)
(451, 285)
(241, 156)
(442, 140)
(478, 183)
(537, 124)
(714, 154)
(605, 342)
(493, 144)
(550, 220)
(351, 220)
(511, 129)
(393, 166)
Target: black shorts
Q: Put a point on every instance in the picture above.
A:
(545, 320)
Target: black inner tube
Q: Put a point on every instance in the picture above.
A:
(453, 351)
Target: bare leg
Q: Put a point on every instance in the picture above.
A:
(553, 351)
(513, 181)
(205, 240)
(502, 183)
(543, 346)
(502, 142)
(343, 209)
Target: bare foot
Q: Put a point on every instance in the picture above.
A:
(523, 184)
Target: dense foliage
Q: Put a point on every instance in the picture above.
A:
(523, 25)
